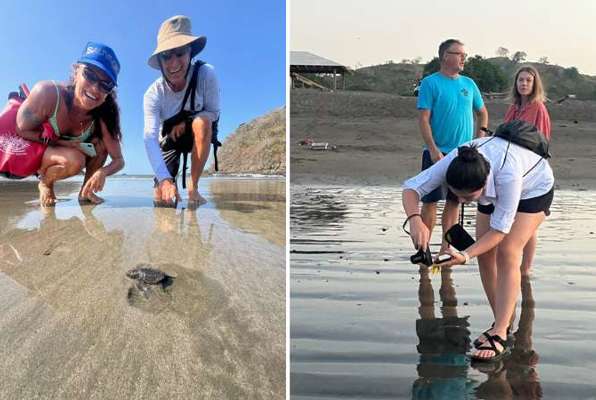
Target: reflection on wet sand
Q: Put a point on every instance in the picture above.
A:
(442, 342)
(315, 208)
(516, 376)
(71, 328)
(244, 203)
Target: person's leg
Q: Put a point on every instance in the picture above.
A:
(528, 258)
(57, 163)
(487, 262)
(92, 165)
(509, 254)
(487, 265)
(201, 129)
(429, 215)
(448, 219)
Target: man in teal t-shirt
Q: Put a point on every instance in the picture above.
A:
(446, 102)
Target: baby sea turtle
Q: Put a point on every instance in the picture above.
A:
(146, 276)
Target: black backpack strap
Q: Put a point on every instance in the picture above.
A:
(192, 88)
(190, 91)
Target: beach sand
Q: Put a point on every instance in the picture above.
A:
(74, 326)
(367, 324)
(379, 143)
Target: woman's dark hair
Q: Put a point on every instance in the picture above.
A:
(468, 171)
(108, 112)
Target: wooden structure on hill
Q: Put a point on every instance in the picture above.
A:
(303, 62)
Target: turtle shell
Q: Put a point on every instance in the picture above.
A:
(149, 276)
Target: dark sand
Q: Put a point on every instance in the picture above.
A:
(73, 326)
(367, 324)
(378, 141)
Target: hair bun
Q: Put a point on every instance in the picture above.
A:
(468, 153)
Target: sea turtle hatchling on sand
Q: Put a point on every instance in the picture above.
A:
(146, 276)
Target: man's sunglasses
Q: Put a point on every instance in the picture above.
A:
(179, 53)
(92, 77)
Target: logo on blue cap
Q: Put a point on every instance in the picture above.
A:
(102, 57)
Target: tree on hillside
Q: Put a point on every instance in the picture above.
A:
(571, 73)
(519, 56)
(431, 67)
(502, 52)
(417, 60)
(543, 60)
(488, 77)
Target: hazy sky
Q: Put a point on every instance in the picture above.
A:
(245, 43)
(373, 32)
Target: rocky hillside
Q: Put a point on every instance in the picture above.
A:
(256, 147)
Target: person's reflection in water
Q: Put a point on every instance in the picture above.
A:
(517, 375)
(521, 367)
(443, 343)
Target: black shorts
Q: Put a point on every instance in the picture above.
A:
(438, 193)
(171, 152)
(531, 206)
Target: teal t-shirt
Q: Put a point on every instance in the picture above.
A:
(451, 103)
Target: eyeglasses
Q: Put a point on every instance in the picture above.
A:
(179, 53)
(92, 77)
(459, 54)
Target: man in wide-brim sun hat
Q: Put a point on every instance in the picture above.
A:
(171, 127)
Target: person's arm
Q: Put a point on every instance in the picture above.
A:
(35, 110)
(481, 122)
(480, 110)
(97, 181)
(427, 135)
(508, 188)
(543, 120)
(418, 231)
(209, 87)
(415, 188)
(425, 105)
(114, 151)
(151, 135)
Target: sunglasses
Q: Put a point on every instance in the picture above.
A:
(179, 53)
(92, 77)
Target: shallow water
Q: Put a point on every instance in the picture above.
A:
(72, 325)
(367, 324)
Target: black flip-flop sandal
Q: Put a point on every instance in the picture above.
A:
(499, 354)
(485, 334)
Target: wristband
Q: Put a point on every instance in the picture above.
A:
(485, 129)
(466, 256)
(409, 218)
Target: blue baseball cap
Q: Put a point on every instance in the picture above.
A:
(103, 57)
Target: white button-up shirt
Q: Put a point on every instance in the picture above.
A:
(506, 184)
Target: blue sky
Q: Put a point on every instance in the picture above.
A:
(245, 43)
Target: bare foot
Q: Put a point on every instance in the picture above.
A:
(47, 197)
(91, 199)
(195, 200)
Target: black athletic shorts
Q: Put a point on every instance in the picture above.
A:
(438, 193)
(532, 205)
(171, 154)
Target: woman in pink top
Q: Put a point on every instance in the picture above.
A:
(528, 99)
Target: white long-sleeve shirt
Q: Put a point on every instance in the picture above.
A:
(161, 102)
(505, 186)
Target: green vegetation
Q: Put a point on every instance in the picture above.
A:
(491, 75)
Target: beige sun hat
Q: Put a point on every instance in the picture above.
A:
(175, 32)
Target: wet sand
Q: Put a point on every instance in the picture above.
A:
(367, 324)
(74, 326)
